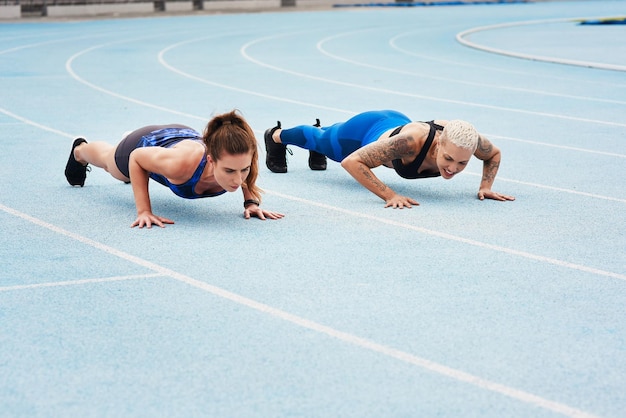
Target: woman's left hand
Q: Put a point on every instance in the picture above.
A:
(254, 210)
(490, 194)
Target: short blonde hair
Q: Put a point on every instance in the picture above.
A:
(462, 134)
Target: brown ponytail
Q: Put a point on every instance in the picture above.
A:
(230, 133)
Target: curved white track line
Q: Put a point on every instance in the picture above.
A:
(461, 39)
(349, 338)
(412, 95)
(320, 47)
(228, 87)
(346, 337)
(495, 69)
(303, 322)
(70, 70)
(308, 104)
(162, 60)
(167, 65)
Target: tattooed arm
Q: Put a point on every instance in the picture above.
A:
(490, 155)
(360, 163)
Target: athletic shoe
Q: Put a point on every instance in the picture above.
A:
(75, 172)
(275, 154)
(317, 161)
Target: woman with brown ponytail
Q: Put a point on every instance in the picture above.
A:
(222, 159)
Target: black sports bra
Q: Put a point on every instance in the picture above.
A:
(409, 171)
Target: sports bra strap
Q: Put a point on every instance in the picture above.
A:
(410, 171)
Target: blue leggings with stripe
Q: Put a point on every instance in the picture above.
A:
(342, 139)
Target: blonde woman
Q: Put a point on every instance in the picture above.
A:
(389, 138)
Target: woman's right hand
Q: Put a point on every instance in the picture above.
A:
(400, 202)
(147, 219)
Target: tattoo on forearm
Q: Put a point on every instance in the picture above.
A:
(489, 173)
(371, 179)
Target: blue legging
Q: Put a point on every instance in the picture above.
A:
(342, 139)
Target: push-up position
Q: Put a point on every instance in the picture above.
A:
(192, 165)
(387, 137)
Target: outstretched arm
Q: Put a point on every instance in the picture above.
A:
(490, 155)
(140, 160)
(360, 163)
(251, 207)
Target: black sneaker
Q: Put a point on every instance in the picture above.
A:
(275, 154)
(317, 161)
(75, 172)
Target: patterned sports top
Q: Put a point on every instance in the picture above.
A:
(166, 138)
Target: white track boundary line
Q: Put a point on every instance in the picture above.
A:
(70, 70)
(79, 282)
(244, 52)
(394, 45)
(553, 188)
(164, 63)
(175, 70)
(66, 135)
(439, 234)
(408, 358)
(565, 147)
(460, 37)
(388, 69)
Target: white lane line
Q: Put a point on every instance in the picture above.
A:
(260, 63)
(444, 235)
(73, 74)
(481, 66)
(35, 124)
(381, 68)
(408, 358)
(44, 43)
(232, 88)
(543, 186)
(163, 62)
(70, 70)
(461, 38)
(79, 282)
(566, 147)
(170, 67)
(597, 196)
(556, 189)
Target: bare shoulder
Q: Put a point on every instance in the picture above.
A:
(189, 144)
(179, 161)
(485, 148)
(188, 150)
(418, 131)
